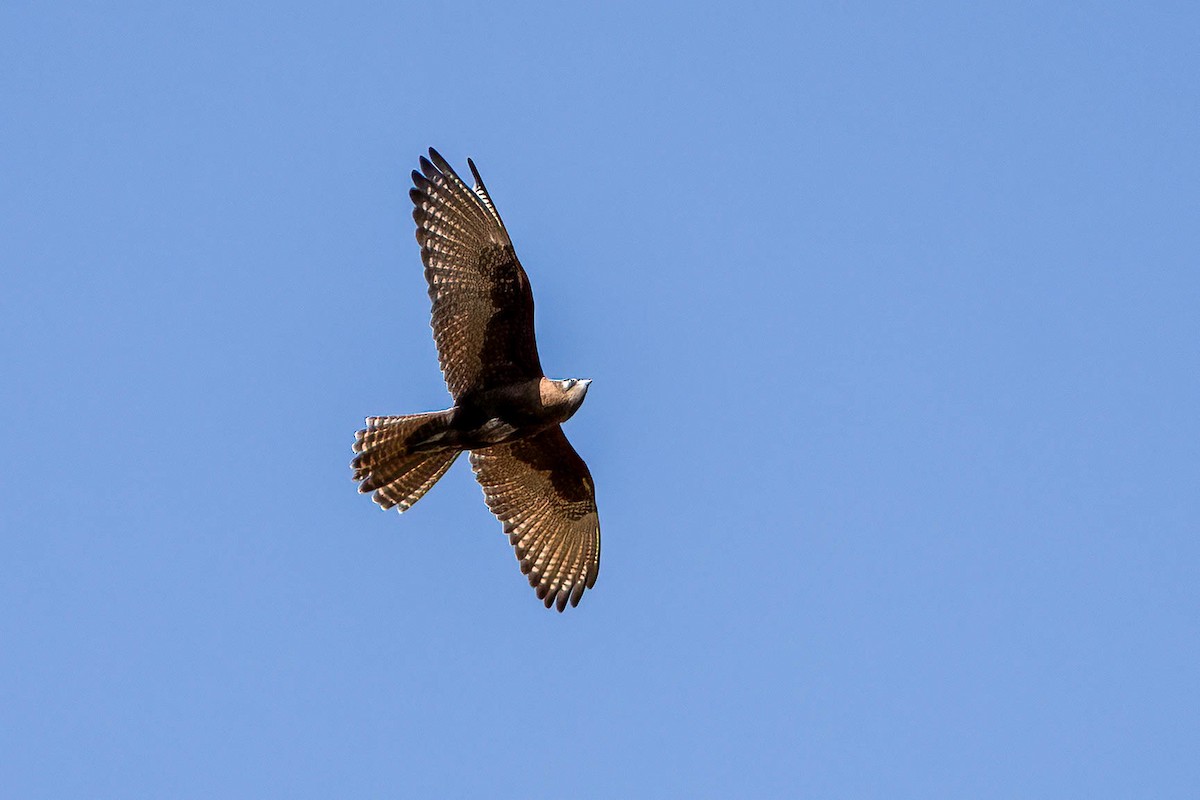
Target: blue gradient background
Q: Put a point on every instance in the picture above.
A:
(892, 316)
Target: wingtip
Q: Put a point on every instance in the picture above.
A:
(427, 168)
(442, 164)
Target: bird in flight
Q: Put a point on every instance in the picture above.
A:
(506, 413)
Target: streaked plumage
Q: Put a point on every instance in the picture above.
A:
(505, 412)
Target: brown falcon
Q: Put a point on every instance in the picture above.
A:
(505, 412)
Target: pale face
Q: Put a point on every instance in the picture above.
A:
(570, 385)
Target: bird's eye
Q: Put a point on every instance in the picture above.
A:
(568, 383)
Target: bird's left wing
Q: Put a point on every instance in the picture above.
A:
(482, 304)
(542, 491)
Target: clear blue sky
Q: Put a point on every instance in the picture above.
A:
(894, 321)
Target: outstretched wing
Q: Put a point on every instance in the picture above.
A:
(542, 491)
(482, 303)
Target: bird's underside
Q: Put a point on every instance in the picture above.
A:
(506, 413)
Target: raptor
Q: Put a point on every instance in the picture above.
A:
(507, 414)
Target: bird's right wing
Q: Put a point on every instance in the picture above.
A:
(542, 491)
(482, 304)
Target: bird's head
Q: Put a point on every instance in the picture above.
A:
(567, 394)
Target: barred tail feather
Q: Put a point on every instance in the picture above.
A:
(392, 462)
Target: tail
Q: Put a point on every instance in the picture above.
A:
(398, 458)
